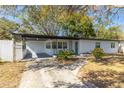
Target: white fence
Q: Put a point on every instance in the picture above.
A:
(6, 50)
(9, 52)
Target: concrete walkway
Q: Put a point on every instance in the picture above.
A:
(50, 74)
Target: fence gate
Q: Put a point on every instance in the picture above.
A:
(18, 51)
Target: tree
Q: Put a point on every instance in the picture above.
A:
(113, 32)
(46, 20)
(50, 20)
(5, 27)
(102, 32)
(79, 25)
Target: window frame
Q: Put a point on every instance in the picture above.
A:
(66, 45)
(97, 46)
(60, 42)
(49, 45)
(55, 46)
(112, 44)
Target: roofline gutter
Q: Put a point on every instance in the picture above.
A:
(59, 37)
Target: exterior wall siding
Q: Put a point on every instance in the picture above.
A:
(84, 46)
(87, 46)
(35, 47)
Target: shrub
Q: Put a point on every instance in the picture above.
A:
(64, 54)
(98, 53)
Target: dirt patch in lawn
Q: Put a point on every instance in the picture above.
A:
(109, 72)
(10, 74)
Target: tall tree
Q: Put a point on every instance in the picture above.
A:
(115, 32)
(5, 27)
(79, 25)
(48, 19)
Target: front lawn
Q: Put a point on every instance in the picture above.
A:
(109, 72)
(10, 74)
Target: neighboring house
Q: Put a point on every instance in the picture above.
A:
(34, 46)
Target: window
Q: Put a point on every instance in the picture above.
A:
(97, 44)
(48, 45)
(54, 45)
(64, 45)
(113, 45)
(59, 45)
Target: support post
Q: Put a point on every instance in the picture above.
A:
(14, 49)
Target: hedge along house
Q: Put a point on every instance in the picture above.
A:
(39, 46)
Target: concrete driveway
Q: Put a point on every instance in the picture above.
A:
(50, 74)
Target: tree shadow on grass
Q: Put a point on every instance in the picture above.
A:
(43, 64)
(54, 64)
(2, 63)
(105, 78)
(110, 60)
(60, 84)
(121, 77)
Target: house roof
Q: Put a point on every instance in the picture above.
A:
(39, 37)
(36, 36)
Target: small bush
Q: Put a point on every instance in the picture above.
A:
(64, 54)
(98, 53)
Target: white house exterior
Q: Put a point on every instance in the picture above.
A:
(86, 46)
(35, 45)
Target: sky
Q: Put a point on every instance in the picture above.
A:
(119, 20)
(17, 20)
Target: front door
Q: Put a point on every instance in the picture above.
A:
(76, 47)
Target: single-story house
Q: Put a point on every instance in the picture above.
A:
(34, 46)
